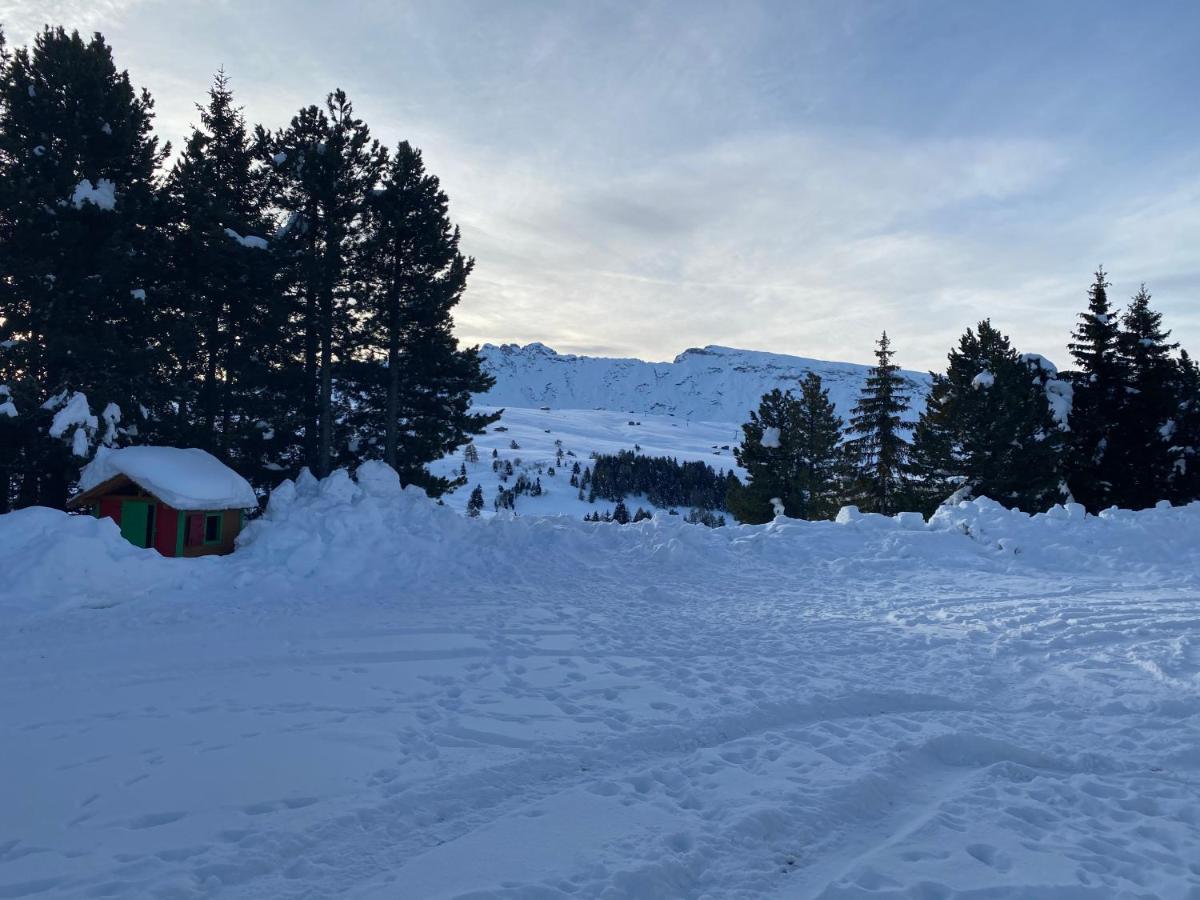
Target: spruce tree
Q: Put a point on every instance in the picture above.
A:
(878, 450)
(620, 513)
(1100, 379)
(987, 429)
(790, 450)
(228, 320)
(823, 468)
(1184, 447)
(415, 383)
(77, 255)
(322, 168)
(475, 502)
(1143, 436)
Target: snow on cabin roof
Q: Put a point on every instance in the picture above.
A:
(182, 478)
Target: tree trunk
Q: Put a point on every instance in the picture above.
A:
(391, 425)
(332, 267)
(209, 397)
(310, 355)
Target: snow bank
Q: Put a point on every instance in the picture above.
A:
(50, 558)
(182, 478)
(371, 533)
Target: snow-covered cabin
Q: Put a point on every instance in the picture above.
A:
(181, 502)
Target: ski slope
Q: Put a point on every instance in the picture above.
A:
(376, 697)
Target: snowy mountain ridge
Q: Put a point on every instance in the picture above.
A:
(712, 383)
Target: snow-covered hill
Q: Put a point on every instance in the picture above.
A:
(714, 384)
(689, 409)
(540, 434)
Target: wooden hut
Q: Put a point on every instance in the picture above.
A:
(181, 502)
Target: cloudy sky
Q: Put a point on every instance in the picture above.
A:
(635, 178)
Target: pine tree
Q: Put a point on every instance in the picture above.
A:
(227, 318)
(823, 468)
(416, 390)
(322, 168)
(1185, 439)
(77, 255)
(1100, 380)
(1142, 438)
(987, 429)
(790, 449)
(620, 513)
(475, 502)
(877, 448)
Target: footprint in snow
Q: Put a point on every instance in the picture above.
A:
(155, 820)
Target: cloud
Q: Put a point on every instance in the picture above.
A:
(775, 176)
(23, 19)
(807, 239)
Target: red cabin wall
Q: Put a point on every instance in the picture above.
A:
(166, 529)
(110, 508)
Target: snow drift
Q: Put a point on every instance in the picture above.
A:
(370, 532)
(376, 697)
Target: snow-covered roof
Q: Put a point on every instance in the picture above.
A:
(182, 478)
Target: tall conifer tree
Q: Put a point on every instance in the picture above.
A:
(791, 451)
(1143, 435)
(77, 215)
(413, 382)
(228, 318)
(323, 166)
(987, 429)
(878, 448)
(1184, 447)
(1100, 380)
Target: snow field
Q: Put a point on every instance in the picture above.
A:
(582, 432)
(376, 697)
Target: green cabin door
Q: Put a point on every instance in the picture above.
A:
(137, 522)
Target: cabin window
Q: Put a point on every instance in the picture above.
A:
(212, 528)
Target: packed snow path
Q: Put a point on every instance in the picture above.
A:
(547, 709)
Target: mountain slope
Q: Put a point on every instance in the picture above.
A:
(718, 384)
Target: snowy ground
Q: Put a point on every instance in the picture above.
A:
(378, 698)
(582, 432)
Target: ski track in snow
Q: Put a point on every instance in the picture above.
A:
(595, 712)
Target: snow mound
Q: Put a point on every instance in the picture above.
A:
(182, 478)
(368, 532)
(342, 530)
(53, 558)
